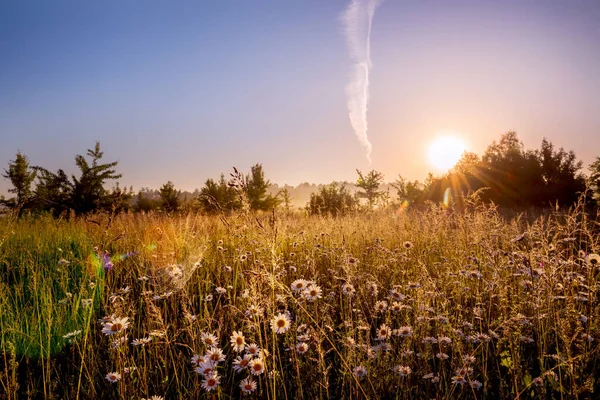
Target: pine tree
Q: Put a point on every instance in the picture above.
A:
(21, 176)
(256, 186)
(170, 197)
(89, 193)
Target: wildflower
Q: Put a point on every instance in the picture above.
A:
(155, 398)
(257, 366)
(238, 342)
(430, 340)
(442, 356)
(384, 332)
(407, 245)
(243, 257)
(482, 337)
(396, 306)
(253, 349)
(208, 297)
(475, 384)
(313, 293)
(538, 381)
(301, 348)
(280, 323)
(359, 371)
(526, 339)
(254, 311)
(458, 380)
(444, 340)
(464, 371)
(198, 359)
(373, 288)
(467, 325)
(209, 339)
(299, 285)
(468, 359)
(413, 285)
(113, 377)
(348, 289)
(404, 331)
(587, 337)
(248, 385)
(215, 354)
(141, 342)
(428, 376)
(241, 363)
(593, 260)
(86, 302)
(221, 290)
(115, 325)
(211, 382)
(206, 368)
(381, 306)
(402, 370)
(396, 295)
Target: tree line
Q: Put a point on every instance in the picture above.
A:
(506, 174)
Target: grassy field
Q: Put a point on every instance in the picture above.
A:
(389, 304)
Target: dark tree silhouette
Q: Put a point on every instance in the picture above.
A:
(21, 175)
(170, 198)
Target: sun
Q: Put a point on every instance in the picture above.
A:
(445, 152)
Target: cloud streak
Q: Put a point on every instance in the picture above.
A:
(357, 20)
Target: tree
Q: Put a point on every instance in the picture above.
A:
(370, 185)
(53, 191)
(170, 198)
(88, 190)
(408, 192)
(333, 199)
(256, 187)
(286, 198)
(145, 201)
(594, 179)
(21, 176)
(560, 173)
(218, 196)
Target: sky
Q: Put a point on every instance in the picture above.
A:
(184, 90)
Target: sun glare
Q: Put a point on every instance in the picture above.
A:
(445, 151)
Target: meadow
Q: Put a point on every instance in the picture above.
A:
(391, 304)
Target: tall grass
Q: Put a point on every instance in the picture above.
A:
(432, 304)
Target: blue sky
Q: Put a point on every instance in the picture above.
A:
(185, 90)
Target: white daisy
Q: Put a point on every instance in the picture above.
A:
(240, 364)
(301, 348)
(257, 366)
(113, 377)
(280, 323)
(238, 342)
(115, 325)
(211, 382)
(248, 385)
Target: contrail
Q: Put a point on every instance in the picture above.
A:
(357, 20)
